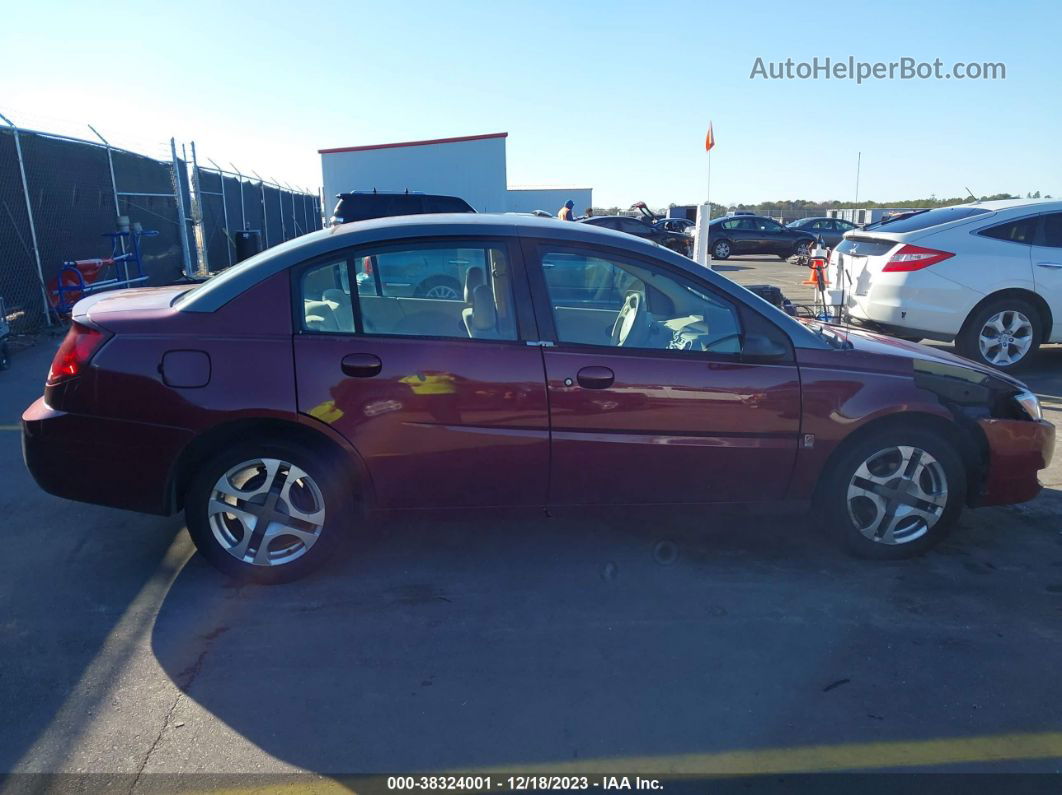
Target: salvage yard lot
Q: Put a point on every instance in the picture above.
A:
(526, 643)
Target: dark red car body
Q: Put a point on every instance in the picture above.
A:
(477, 423)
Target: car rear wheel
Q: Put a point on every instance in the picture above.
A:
(440, 288)
(894, 493)
(801, 248)
(1004, 333)
(270, 512)
(721, 249)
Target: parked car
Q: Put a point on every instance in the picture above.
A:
(987, 275)
(754, 234)
(676, 241)
(276, 403)
(683, 225)
(831, 230)
(363, 205)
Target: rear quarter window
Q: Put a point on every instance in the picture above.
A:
(1022, 230)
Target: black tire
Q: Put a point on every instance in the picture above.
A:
(332, 487)
(852, 522)
(968, 341)
(721, 249)
(428, 287)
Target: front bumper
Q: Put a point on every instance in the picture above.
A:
(1017, 450)
(99, 460)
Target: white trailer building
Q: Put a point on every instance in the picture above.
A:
(471, 167)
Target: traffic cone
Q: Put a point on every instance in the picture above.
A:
(818, 276)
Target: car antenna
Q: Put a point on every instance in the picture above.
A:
(971, 195)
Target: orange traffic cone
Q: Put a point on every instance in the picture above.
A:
(817, 276)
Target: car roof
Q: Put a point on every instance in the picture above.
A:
(1007, 204)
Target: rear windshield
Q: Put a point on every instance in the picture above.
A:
(925, 220)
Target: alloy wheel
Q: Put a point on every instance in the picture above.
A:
(897, 495)
(1005, 338)
(721, 250)
(266, 512)
(443, 292)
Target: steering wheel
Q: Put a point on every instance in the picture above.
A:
(724, 338)
(629, 315)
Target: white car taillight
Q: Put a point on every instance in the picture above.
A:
(914, 258)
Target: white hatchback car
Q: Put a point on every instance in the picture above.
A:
(987, 275)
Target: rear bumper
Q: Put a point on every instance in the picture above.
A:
(1017, 450)
(921, 304)
(99, 460)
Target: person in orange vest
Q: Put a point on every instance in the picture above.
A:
(565, 212)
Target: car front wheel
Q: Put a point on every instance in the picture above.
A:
(269, 513)
(894, 493)
(1003, 333)
(720, 249)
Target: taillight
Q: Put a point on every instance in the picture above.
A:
(914, 258)
(79, 346)
(366, 265)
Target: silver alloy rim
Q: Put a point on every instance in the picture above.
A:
(1006, 337)
(442, 292)
(897, 495)
(722, 250)
(266, 512)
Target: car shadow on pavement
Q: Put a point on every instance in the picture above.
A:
(452, 645)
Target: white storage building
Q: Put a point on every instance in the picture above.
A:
(471, 167)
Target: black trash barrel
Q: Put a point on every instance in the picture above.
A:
(248, 243)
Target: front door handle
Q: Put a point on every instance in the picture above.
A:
(1054, 265)
(361, 365)
(595, 377)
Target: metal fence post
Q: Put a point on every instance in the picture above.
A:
(243, 213)
(114, 183)
(294, 223)
(178, 194)
(197, 205)
(224, 211)
(265, 212)
(280, 205)
(29, 214)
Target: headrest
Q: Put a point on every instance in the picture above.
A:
(484, 315)
(473, 279)
(336, 295)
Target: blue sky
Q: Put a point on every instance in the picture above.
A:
(613, 95)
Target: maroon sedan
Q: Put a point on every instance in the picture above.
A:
(281, 400)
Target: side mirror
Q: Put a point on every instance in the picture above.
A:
(762, 348)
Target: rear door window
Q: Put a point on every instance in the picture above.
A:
(452, 289)
(1053, 230)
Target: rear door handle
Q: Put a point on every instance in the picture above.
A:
(595, 377)
(1054, 265)
(361, 365)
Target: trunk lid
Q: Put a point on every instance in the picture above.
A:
(108, 308)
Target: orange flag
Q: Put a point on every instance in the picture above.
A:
(709, 140)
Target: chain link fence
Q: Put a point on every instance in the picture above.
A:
(60, 196)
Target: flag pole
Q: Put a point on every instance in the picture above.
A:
(708, 192)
